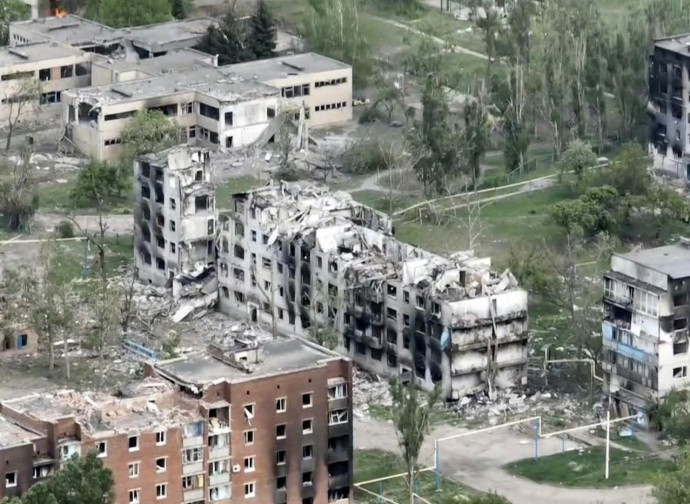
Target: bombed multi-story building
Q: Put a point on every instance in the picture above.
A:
(174, 214)
(645, 327)
(249, 418)
(304, 260)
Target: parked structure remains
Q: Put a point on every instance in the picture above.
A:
(251, 417)
(645, 327)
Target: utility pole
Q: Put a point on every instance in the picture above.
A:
(608, 441)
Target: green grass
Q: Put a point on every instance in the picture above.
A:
(586, 469)
(372, 464)
(55, 197)
(120, 253)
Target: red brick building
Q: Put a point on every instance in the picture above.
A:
(263, 423)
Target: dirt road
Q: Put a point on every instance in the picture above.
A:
(476, 461)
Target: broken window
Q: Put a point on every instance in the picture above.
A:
(360, 348)
(281, 457)
(336, 417)
(680, 323)
(248, 437)
(223, 269)
(680, 372)
(392, 359)
(239, 297)
(249, 411)
(133, 443)
(173, 204)
(676, 111)
(391, 313)
(420, 302)
(208, 111)
(238, 250)
(392, 336)
(44, 74)
(228, 142)
(187, 108)
(239, 229)
(680, 347)
(161, 464)
(307, 426)
(266, 263)
(281, 404)
(145, 192)
(228, 119)
(306, 400)
(225, 291)
(172, 225)
(333, 266)
(11, 479)
(201, 203)
(281, 431)
(406, 296)
(66, 71)
(376, 354)
(210, 227)
(392, 290)
(102, 449)
(307, 451)
(437, 307)
(238, 274)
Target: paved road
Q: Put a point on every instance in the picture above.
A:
(476, 461)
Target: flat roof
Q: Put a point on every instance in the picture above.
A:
(170, 32)
(50, 406)
(72, 30)
(279, 356)
(12, 434)
(37, 51)
(284, 66)
(174, 61)
(675, 43)
(671, 260)
(208, 81)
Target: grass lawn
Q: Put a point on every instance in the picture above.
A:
(372, 464)
(55, 197)
(121, 250)
(586, 469)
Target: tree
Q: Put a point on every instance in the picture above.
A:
(475, 134)
(490, 26)
(262, 32)
(99, 182)
(598, 210)
(628, 173)
(412, 420)
(332, 28)
(388, 96)
(148, 131)
(673, 485)
(121, 13)
(82, 479)
(22, 98)
(227, 39)
(18, 192)
(673, 415)
(11, 11)
(577, 158)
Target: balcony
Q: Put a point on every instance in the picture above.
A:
(216, 427)
(193, 442)
(307, 464)
(308, 490)
(339, 480)
(281, 496)
(334, 404)
(339, 429)
(192, 468)
(338, 454)
(217, 452)
(219, 478)
(193, 495)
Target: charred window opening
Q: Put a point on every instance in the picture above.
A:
(376, 354)
(160, 220)
(392, 336)
(346, 343)
(406, 340)
(391, 314)
(238, 274)
(199, 176)
(306, 278)
(406, 296)
(306, 254)
(304, 318)
(145, 212)
(239, 251)
(360, 325)
(420, 344)
(159, 195)
(223, 269)
(292, 250)
(209, 111)
(160, 263)
(201, 203)
(333, 266)
(332, 313)
(239, 229)
(392, 290)
(360, 348)
(676, 111)
(419, 367)
(680, 323)
(391, 359)
(680, 346)
(145, 192)
(145, 169)
(146, 233)
(680, 299)
(332, 291)
(167, 110)
(305, 297)
(225, 291)
(435, 372)
(406, 320)
(146, 257)
(160, 241)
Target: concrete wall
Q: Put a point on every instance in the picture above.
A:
(637, 271)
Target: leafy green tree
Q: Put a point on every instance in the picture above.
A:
(227, 39)
(180, 8)
(475, 134)
(490, 27)
(577, 158)
(261, 39)
(673, 486)
(148, 131)
(83, 479)
(120, 13)
(332, 28)
(11, 11)
(388, 96)
(412, 419)
(18, 192)
(628, 173)
(99, 182)
(598, 210)
(673, 415)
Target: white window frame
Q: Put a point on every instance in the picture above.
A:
(310, 395)
(337, 417)
(104, 453)
(281, 404)
(246, 435)
(309, 430)
(339, 391)
(165, 465)
(284, 431)
(7, 484)
(136, 448)
(160, 438)
(133, 469)
(134, 496)
(161, 491)
(250, 489)
(250, 463)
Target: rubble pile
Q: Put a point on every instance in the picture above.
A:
(367, 390)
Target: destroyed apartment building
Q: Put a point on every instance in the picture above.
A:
(250, 417)
(307, 261)
(645, 334)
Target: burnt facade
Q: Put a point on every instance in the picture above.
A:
(645, 327)
(306, 261)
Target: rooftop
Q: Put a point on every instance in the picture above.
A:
(208, 81)
(675, 43)
(172, 62)
(156, 35)
(671, 260)
(37, 51)
(277, 356)
(284, 66)
(153, 404)
(12, 434)
(72, 30)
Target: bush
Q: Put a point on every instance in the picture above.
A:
(366, 157)
(65, 229)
